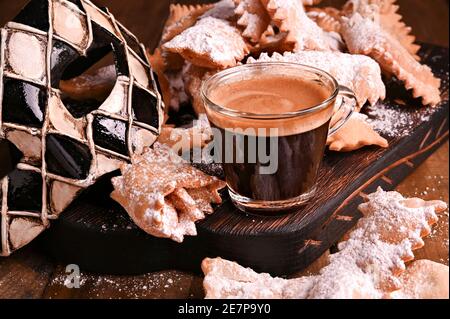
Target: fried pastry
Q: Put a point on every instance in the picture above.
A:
(365, 36)
(272, 42)
(228, 280)
(253, 19)
(368, 264)
(355, 134)
(424, 279)
(203, 44)
(357, 72)
(154, 190)
(290, 17)
(177, 11)
(180, 18)
(376, 251)
(327, 18)
(386, 13)
(204, 196)
(197, 136)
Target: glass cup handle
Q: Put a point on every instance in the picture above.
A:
(345, 107)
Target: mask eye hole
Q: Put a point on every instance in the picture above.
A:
(85, 82)
(86, 92)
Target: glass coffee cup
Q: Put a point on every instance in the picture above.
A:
(270, 122)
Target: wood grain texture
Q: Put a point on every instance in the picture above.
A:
(430, 181)
(429, 20)
(25, 275)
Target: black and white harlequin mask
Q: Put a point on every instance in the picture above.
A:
(66, 145)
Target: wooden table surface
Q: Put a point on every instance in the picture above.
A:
(30, 274)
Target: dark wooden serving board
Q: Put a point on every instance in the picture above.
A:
(96, 233)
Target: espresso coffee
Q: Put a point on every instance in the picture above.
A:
(270, 95)
(300, 139)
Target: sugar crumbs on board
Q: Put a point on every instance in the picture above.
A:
(151, 285)
(399, 119)
(394, 121)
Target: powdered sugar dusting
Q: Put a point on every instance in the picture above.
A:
(253, 18)
(367, 265)
(225, 279)
(162, 193)
(291, 17)
(364, 36)
(211, 42)
(357, 72)
(424, 279)
(386, 13)
(396, 121)
(167, 284)
(326, 18)
(377, 248)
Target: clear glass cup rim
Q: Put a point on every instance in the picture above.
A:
(237, 69)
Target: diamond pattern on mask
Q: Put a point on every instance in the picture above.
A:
(63, 144)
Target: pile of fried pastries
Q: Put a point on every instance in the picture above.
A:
(356, 44)
(370, 263)
(164, 194)
(360, 44)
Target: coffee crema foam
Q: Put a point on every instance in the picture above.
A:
(271, 95)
